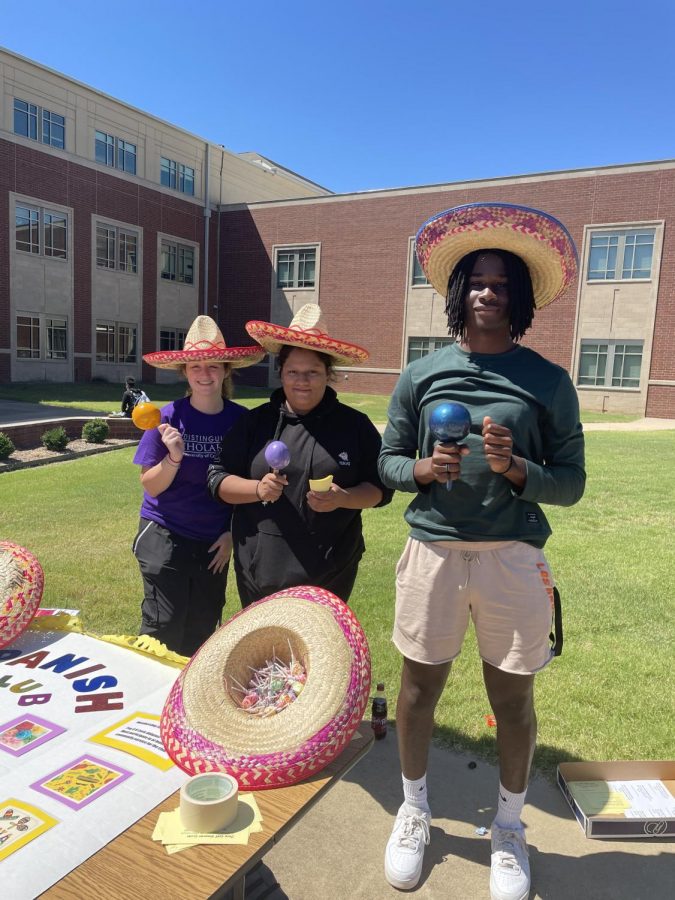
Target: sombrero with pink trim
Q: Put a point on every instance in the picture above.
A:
(205, 342)
(308, 332)
(539, 239)
(21, 585)
(204, 726)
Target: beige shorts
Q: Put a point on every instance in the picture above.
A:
(505, 587)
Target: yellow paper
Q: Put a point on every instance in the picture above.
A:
(596, 798)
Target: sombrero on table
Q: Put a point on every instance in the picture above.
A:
(21, 585)
(540, 240)
(205, 341)
(203, 726)
(307, 331)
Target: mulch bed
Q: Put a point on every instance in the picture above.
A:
(39, 456)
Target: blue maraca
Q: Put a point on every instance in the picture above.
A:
(449, 423)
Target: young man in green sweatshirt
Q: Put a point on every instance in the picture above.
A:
(475, 551)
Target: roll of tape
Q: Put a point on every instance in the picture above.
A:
(208, 802)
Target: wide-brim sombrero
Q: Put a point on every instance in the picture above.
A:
(539, 239)
(21, 586)
(203, 726)
(307, 332)
(205, 342)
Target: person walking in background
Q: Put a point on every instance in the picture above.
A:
(285, 533)
(476, 551)
(183, 543)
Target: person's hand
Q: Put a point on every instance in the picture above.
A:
(223, 550)
(497, 445)
(172, 440)
(442, 466)
(270, 487)
(325, 501)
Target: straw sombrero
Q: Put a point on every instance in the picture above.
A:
(307, 331)
(205, 341)
(540, 240)
(203, 726)
(21, 585)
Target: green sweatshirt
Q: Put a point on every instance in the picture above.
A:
(520, 389)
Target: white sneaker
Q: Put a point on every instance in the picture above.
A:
(510, 866)
(405, 848)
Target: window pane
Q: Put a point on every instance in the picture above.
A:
(105, 342)
(105, 247)
(417, 348)
(55, 235)
(53, 129)
(592, 364)
(126, 344)
(169, 261)
(602, 256)
(56, 339)
(27, 337)
(306, 265)
(128, 252)
(188, 186)
(126, 156)
(418, 275)
(25, 119)
(186, 259)
(27, 229)
(285, 270)
(637, 258)
(168, 172)
(105, 148)
(167, 339)
(627, 364)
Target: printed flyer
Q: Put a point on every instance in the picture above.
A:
(81, 759)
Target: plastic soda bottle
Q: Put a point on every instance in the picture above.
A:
(378, 716)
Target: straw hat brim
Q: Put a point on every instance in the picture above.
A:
(21, 586)
(539, 239)
(203, 727)
(273, 337)
(236, 357)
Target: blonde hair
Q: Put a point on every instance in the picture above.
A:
(227, 387)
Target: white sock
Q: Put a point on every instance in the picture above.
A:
(509, 808)
(415, 792)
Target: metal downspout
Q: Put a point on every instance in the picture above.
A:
(207, 217)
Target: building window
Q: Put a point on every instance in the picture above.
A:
(419, 279)
(177, 176)
(178, 262)
(115, 342)
(115, 152)
(621, 255)
(419, 347)
(35, 332)
(28, 337)
(116, 248)
(41, 230)
(610, 364)
(172, 338)
(39, 124)
(296, 268)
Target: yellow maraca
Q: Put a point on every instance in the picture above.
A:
(146, 416)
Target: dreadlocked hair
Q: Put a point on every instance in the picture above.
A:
(521, 295)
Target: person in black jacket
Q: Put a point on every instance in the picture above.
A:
(284, 532)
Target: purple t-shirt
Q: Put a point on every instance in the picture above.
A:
(186, 507)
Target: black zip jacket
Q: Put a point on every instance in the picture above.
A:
(285, 544)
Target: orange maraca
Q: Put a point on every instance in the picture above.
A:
(146, 416)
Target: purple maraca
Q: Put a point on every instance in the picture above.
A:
(277, 455)
(449, 423)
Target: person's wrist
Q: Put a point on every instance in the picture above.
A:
(257, 491)
(173, 462)
(509, 467)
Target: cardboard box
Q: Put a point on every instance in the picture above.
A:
(616, 824)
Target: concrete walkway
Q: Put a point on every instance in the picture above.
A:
(337, 851)
(13, 412)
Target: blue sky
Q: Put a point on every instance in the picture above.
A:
(371, 94)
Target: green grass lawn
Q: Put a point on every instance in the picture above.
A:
(103, 397)
(610, 695)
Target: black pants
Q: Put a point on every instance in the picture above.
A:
(340, 583)
(183, 600)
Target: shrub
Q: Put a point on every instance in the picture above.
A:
(6, 446)
(95, 431)
(55, 438)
